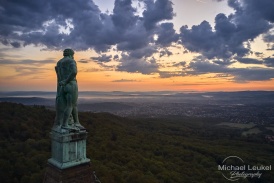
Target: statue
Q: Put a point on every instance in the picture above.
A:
(67, 93)
(68, 136)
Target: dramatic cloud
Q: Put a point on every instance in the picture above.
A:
(102, 58)
(123, 15)
(231, 34)
(202, 66)
(263, 7)
(269, 61)
(259, 54)
(157, 11)
(165, 52)
(249, 60)
(180, 64)
(80, 25)
(140, 37)
(166, 34)
(144, 66)
(269, 39)
(116, 57)
(229, 41)
(143, 52)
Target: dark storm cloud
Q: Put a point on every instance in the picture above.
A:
(231, 34)
(200, 66)
(166, 34)
(80, 24)
(157, 11)
(248, 60)
(259, 54)
(15, 44)
(102, 58)
(143, 52)
(39, 23)
(269, 62)
(135, 38)
(269, 39)
(123, 15)
(165, 52)
(180, 64)
(252, 74)
(135, 65)
(263, 7)
(224, 62)
(22, 16)
(116, 57)
(229, 41)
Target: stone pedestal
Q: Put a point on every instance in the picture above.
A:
(82, 173)
(68, 149)
(68, 163)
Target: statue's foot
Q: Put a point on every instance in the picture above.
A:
(65, 126)
(78, 125)
(57, 128)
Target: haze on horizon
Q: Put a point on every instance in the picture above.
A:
(139, 45)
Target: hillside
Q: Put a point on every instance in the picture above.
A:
(143, 150)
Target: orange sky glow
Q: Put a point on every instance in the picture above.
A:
(182, 63)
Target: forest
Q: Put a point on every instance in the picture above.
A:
(131, 150)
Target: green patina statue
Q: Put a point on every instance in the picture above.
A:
(67, 93)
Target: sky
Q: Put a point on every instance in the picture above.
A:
(139, 45)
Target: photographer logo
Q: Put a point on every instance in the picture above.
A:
(234, 168)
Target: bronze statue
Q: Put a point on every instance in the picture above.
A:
(67, 93)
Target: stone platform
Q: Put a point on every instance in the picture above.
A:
(82, 173)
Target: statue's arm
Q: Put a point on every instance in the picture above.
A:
(57, 72)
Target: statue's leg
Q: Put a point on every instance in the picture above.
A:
(75, 114)
(60, 106)
(75, 117)
(57, 116)
(74, 103)
(68, 110)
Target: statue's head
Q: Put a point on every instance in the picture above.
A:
(68, 52)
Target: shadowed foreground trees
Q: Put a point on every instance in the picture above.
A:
(129, 150)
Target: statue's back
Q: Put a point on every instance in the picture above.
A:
(65, 67)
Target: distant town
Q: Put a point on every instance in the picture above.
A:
(258, 114)
(235, 107)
